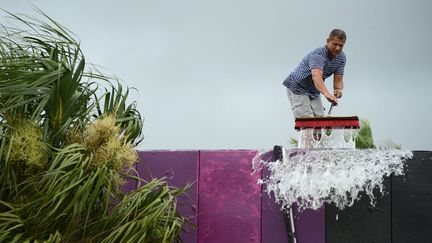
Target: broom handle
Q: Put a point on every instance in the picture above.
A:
(330, 110)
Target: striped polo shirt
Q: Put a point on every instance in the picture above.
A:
(300, 80)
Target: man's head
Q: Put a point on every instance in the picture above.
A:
(335, 42)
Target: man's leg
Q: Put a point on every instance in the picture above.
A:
(318, 110)
(317, 106)
(300, 104)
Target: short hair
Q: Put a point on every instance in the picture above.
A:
(338, 33)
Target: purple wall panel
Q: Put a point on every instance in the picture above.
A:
(180, 168)
(273, 221)
(310, 225)
(229, 198)
(129, 185)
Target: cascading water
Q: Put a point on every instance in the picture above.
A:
(311, 177)
(322, 138)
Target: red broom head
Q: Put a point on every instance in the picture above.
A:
(327, 122)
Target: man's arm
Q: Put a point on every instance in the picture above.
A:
(338, 85)
(320, 86)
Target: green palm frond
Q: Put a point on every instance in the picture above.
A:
(389, 144)
(293, 142)
(364, 139)
(72, 194)
(148, 214)
(10, 223)
(8, 178)
(67, 145)
(114, 102)
(41, 76)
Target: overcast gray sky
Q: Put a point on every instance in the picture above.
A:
(209, 73)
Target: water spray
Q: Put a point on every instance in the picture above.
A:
(326, 167)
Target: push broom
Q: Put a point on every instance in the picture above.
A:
(327, 122)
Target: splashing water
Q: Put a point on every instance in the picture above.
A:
(311, 178)
(321, 138)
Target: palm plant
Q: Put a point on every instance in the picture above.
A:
(364, 139)
(67, 144)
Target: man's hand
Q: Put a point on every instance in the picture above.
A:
(332, 99)
(337, 93)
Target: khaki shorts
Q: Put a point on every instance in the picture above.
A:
(303, 105)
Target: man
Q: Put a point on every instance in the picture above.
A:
(306, 82)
